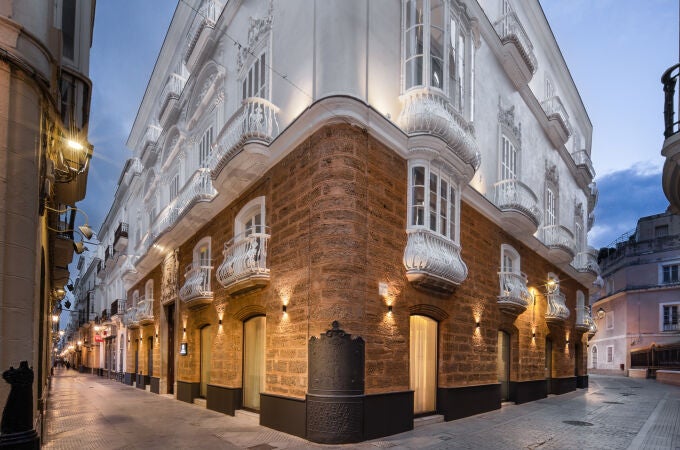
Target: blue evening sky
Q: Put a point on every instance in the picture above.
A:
(616, 51)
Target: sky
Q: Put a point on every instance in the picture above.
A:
(616, 51)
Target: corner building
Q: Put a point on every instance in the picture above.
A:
(344, 215)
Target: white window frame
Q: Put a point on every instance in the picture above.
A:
(148, 289)
(197, 259)
(135, 298)
(509, 254)
(610, 353)
(254, 82)
(452, 213)
(253, 207)
(669, 264)
(550, 206)
(662, 322)
(205, 144)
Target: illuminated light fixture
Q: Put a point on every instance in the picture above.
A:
(79, 247)
(284, 308)
(80, 343)
(59, 293)
(55, 318)
(477, 324)
(96, 328)
(533, 335)
(85, 230)
(389, 309)
(61, 332)
(184, 329)
(567, 341)
(75, 145)
(601, 313)
(219, 322)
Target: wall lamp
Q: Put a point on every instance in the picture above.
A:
(284, 308)
(85, 230)
(389, 309)
(478, 324)
(600, 313)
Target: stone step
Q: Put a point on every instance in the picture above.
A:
(427, 420)
(248, 416)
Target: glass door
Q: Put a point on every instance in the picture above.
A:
(206, 351)
(423, 364)
(503, 364)
(253, 361)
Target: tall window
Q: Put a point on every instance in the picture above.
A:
(68, 28)
(594, 358)
(610, 353)
(148, 289)
(174, 187)
(550, 207)
(510, 261)
(508, 160)
(202, 253)
(670, 273)
(251, 219)
(255, 80)
(670, 318)
(205, 147)
(433, 201)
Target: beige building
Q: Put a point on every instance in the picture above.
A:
(44, 154)
(638, 306)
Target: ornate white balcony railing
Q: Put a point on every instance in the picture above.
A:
(151, 135)
(581, 158)
(514, 294)
(130, 319)
(245, 258)
(171, 91)
(584, 320)
(558, 237)
(206, 17)
(554, 108)
(430, 112)
(256, 119)
(557, 307)
(144, 310)
(586, 261)
(197, 283)
(510, 29)
(515, 195)
(433, 261)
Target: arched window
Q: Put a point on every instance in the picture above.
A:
(433, 200)
(251, 218)
(148, 289)
(202, 252)
(510, 260)
(135, 298)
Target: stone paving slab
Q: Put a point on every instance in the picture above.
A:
(89, 412)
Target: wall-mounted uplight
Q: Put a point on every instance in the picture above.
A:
(477, 324)
(284, 308)
(389, 309)
(219, 322)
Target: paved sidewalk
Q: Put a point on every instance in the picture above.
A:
(87, 412)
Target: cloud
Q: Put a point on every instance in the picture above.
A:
(625, 196)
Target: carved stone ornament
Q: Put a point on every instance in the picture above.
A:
(578, 209)
(258, 28)
(169, 278)
(551, 174)
(507, 118)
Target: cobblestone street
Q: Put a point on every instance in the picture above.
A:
(86, 411)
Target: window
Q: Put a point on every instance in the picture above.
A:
(670, 318)
(174, 187)
(510, 261)
(670, 273)
(148, 290)
(433, 201)
(508, 160)
(135, 298)
(251, 219)
(202, 253)
(430, 60)
(610, 353)
(205, 147)
(609, 320)
(550, 207)
(255, 80)
(661, 231)
(594, 357)
(68, 28)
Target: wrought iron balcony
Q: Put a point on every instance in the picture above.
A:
(513, 195)
(510, 31)
(151, 136)
(200, 30)
(557, 307)
(670, 179)
(255, 120)
(584, 320)
(559, 238)
(582, 160)
(170, 95)
(109, 252)
(670, 80)
(196, 290)
(144, 310)
(120, 237)
(426, 111)
(557, 114)
(671, 327)
(118, 307)
(433, 261)
(587, 262)
(130, 319)
(514, 295)
(245, 262)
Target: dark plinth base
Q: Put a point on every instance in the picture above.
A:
(223, 399)
(188, 391)
(387, 414)
(129, 378)
(140, 381)
(283, 413)
(562, 385)
(458, 402)
(25, 440)
(582, 381)
(155, 385)
(528, 391)
(335, 419)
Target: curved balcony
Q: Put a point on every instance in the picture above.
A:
(560, 241)
(514, 295)
(519, 203)
(245, 263)
(584, 320)
(433, 261)
(426, 111)
(671, 146)
(584, 164)
(586, 262)
(196, 290)
(256, 120)
(557, 307)
(130, 319)
(144, 311)
(200, 34)
(558, 119)
(169, 99)
(517, 44)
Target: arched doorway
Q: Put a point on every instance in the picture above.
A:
(423, 364)
(206, 355)
(253, 361)
(503, 364)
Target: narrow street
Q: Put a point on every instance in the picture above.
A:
(87, 412)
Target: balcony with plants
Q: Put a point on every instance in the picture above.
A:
(245, 267)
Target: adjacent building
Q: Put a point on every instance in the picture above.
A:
(44, 155)
(671, 144)
(636, 310)
(343, 215)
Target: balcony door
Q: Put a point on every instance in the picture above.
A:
(206, 356)
(253, 361)
(503, 364)
(423, 364)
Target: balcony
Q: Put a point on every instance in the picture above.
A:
(150, 140)
(109, 252)
(584, 165)
(117, 307)
(671, 146)
(671, 327)
(128, 270)
(518, 47)
(586, 262)
(557, 307)
(245, 263)
(256, 120)
(196, 291)
(130, 319)
(169, 99)
(584, 320)
(519, 204)
(120, 237)
(105, 317)
(429, 112)
(514, 295)
(200, 35)
(558, 119)
(433, 261)
(144, 311)
(560, 241)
